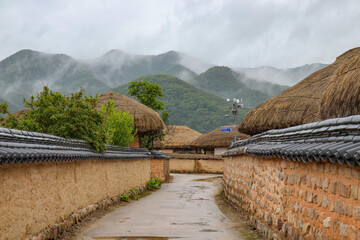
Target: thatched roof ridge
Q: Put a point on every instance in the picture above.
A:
(177, 137)
(296, 105)
(342, 97)
(216, 138)
(147, 121)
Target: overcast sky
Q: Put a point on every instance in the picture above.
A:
(236, 33)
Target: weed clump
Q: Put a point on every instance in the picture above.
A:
(154, 183)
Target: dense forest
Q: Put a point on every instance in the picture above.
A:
(224, 82)
(189, 105)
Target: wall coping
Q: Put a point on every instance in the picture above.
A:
(18, 146)
(332, 140)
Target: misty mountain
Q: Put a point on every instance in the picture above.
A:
(181, 72)
(289, 76)
(26, 72)
(116, 67)
(188, 105)
(226, 83)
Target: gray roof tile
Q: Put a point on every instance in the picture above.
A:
(332, 140)
(18, 146)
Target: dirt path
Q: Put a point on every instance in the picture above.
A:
(182, 209)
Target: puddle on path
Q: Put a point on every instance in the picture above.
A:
(192, 223)
(211, 179)
(134, 238)
(209, 230)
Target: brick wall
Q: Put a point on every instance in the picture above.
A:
(295, 200)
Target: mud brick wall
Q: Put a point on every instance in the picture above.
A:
(35, 196)
(295, 200)
(160, 169)
(196, 163)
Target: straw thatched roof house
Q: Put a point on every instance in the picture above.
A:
(216, 142)
(342, 97)
(147, 121)
(301, 103)
(177, 139)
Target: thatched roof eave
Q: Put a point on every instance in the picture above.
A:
(297, 105)
(217, 139)
(146, 120)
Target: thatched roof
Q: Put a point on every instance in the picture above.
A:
(216, 138)
(147, 121)
(19, 114)
(177, 137)
(342, 97)
(296, 105)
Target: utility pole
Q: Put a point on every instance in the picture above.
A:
(234, 108)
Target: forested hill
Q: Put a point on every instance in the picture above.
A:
(24, 74)
(189, 105)
(116, 67)
(224, 82)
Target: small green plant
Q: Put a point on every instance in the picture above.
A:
(134, 194)
(124, 197)
(154, 183)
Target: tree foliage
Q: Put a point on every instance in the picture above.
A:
(188, 105)
(119, 125)
(72, 116)
(147, 93)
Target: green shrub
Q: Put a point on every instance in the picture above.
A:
(69, 117)
(134, 194)
(124, 197)
(119, 126)
(154, 183)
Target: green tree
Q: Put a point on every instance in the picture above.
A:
(69, 117)
(119, 125)
(147, 93)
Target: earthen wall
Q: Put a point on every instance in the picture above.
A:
(196, 165)
(295, 200)
(35, 196)
(160, 169)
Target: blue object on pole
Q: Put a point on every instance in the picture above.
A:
(225, 130)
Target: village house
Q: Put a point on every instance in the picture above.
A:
(177, 139)
(147, 121)
(216, 142)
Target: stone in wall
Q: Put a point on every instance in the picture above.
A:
(294, 200)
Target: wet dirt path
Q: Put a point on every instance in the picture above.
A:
(182, 209)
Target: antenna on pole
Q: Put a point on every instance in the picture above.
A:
(234, 108)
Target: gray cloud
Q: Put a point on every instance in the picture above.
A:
(237, 33)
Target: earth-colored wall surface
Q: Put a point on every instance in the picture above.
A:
(160, 169)
(196, 163)
(182, 164)
(38, 195)
(295, 200)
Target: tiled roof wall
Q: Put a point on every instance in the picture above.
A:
(332, 140)
(26, 147)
